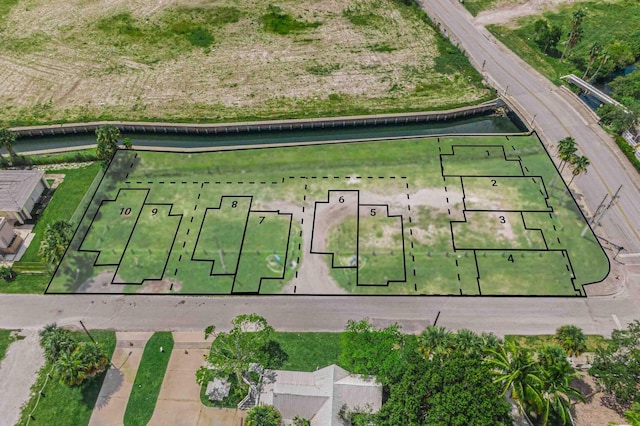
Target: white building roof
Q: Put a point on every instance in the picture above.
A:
(320, 395)
(16, 186)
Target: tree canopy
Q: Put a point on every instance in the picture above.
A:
(572, 339)
(617, 365)
(107, 141)
(57, 237)
(248, 341)
(368, 350)
(73, 362)
(263, 415)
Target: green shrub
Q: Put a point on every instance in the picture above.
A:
(276, 21)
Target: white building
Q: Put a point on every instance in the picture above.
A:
(319, 396)
(19, 192)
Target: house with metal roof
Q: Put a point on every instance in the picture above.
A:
(19, 193)
(321, 395)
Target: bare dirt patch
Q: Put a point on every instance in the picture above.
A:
(594, 411)
(56, 63)
(508, 11)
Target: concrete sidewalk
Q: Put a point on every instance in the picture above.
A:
(179, 399)
(116, 388)
(18, 372)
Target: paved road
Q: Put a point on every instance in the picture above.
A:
(555, 115)
(295, 313)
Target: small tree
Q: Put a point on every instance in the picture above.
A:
(579, 165)
(107, 141)
(6, 273)
(299, 421)
(7, 140)
(232, 352)
(57, 237)
(546, 37)
(566, 150)
(263, 415)
(617, 365)
(55, 341)
(572, 339)
(575, 35)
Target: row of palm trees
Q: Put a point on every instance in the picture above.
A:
(567, 150)
(539, 382)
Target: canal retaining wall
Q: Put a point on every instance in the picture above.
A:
(259, 126)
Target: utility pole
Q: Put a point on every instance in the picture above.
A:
(602, 210)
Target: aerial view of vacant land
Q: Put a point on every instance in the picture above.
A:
(485, 215)
(224, 60)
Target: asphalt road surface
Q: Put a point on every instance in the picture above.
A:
(318, 313)
(554, 115)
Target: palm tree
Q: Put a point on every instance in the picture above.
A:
(107, 141)
(557, 392)
(263, 415)
(55, 341)
(566, 150)
(518, 373)
(467, 341)
(572, 339)
(70, 369)
(490, 341)
(434, 340)
(575, 35)
(594, 49)
(603, 57)
(579, 165)
(92, 357)
(57, 237)
(7, 139)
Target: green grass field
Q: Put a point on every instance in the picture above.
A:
(67, 405)
(5, 341)
(146, 386)
(484, 215)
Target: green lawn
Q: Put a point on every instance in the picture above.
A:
(26, 283)
(309, 351)
(62, 405)
(63, 204)
(146, 387)
(476, 6)
(496, 193)
(594, 341)
(5, 341)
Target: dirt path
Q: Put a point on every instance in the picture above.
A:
(116, 388)
(18, 372)
(507, 12)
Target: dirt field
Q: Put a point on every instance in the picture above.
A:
(185, 60)
(508, 11)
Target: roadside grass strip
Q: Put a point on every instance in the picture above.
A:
(5, 341)
(146, 387)
(62, 405)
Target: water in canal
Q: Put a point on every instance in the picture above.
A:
(476, 125)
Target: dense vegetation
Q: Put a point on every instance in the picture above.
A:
(591, 45)
(59, 403)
